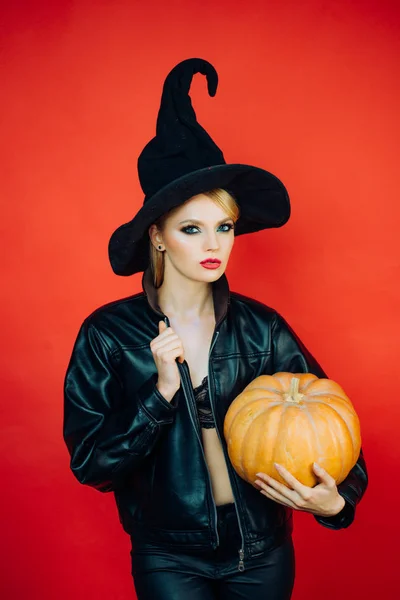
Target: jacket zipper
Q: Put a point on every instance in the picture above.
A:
(190, 397)
(241, 551)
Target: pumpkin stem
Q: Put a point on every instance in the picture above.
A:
(293, 395)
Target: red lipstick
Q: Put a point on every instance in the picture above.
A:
(211, 263)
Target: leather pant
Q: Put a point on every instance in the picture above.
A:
(163, 574)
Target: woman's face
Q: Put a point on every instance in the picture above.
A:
(194, 232)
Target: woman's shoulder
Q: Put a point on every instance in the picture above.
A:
(117, 307)
(243, 303)
(120, 322)
(112, 329)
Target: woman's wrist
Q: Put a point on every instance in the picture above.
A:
(166, 393)
(340, 506)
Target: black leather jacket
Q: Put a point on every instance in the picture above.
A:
(123, 436)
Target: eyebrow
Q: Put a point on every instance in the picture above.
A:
(201, 223)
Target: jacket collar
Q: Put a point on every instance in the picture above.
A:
(220, 289)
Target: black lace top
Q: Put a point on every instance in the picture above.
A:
(203, 405)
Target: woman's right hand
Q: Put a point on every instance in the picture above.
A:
(166, 348)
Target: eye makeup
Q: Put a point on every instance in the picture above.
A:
(188, 227)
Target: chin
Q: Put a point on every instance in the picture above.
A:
(195, 272)
(211, 274)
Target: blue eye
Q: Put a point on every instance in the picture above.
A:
(228, 225)
(188, 228)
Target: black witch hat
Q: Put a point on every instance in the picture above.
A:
(182, 161)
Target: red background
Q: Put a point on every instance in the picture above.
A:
(308, 90)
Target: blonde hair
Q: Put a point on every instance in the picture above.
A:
(221, 197)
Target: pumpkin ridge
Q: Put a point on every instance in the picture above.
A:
(348, 412)
(263, 389)
(329, 406)
(335, 441)
(285, 406)
(288, 408)
(270, 383)
(315, 431)
(316, 399)
(248, 434)
(236, 406)
(237, 417)
(245, 406)
(327, 393)
(305, 384)
(262, 408)
(242, 445)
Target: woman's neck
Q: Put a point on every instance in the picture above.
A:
(185, 299)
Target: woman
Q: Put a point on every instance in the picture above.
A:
(151, 377)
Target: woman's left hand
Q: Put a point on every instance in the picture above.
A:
(323, 500)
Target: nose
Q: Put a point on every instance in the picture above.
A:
(211, 241)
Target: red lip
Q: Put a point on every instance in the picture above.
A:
(214, 261)
(211, 263)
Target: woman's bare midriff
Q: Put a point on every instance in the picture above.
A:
(220, 482)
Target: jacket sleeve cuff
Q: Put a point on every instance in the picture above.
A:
(343, 519)
(154, 404)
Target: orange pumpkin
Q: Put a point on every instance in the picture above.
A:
(293, 419)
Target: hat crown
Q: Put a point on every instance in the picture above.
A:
(181, 144)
